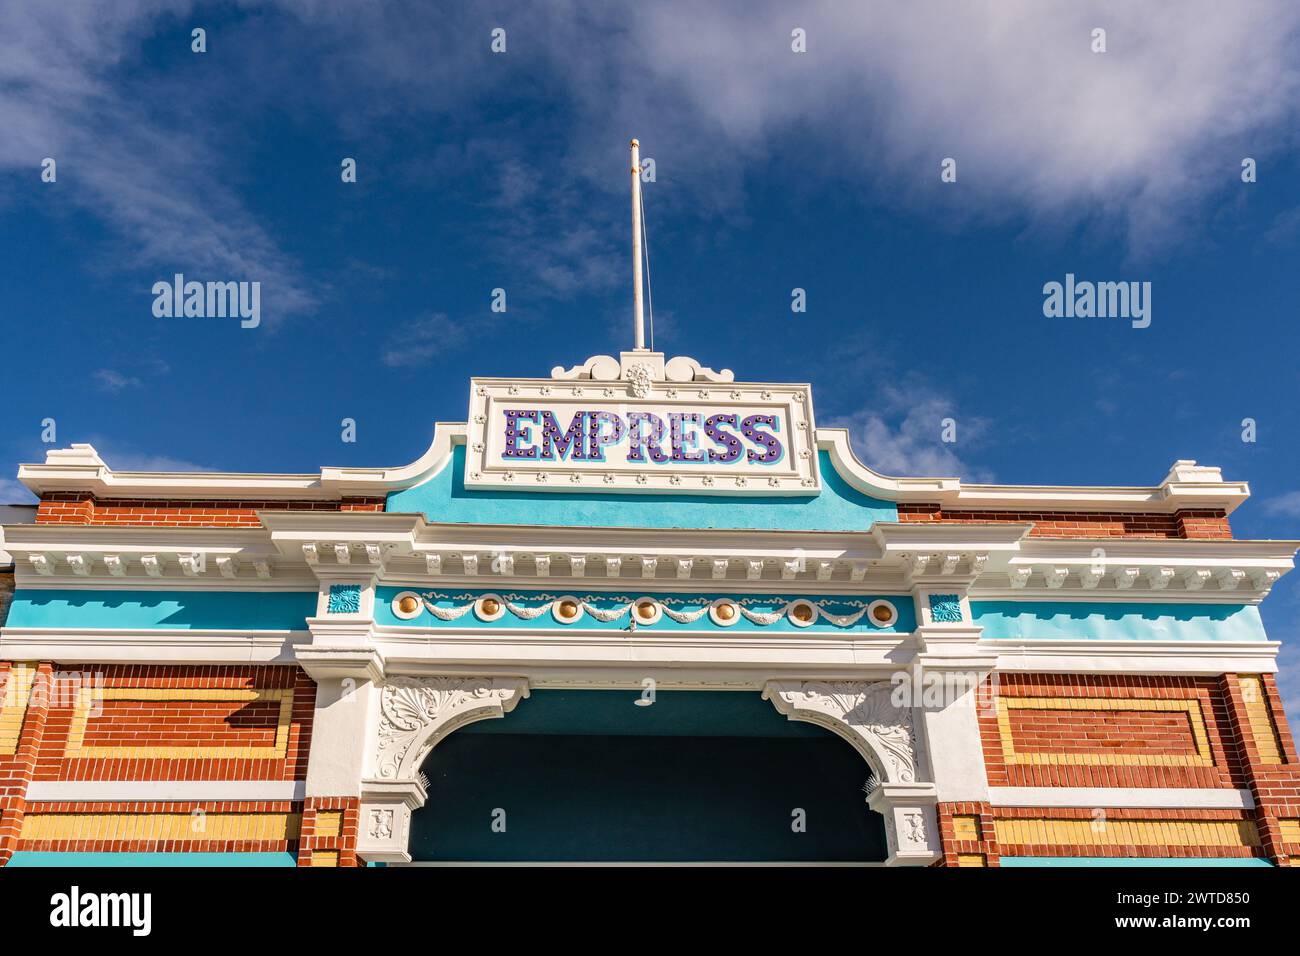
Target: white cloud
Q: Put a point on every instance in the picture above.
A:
(146, 168)
(1039, 124)
(1286, 504)
(421, 340)
(900, 434)
(1047, 134)
(110, 381)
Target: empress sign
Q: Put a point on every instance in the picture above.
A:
(656, 436)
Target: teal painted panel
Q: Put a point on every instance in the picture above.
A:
(764, 603)
(181, 610)
(1131, 861)
(839, 507)
(616, 713)
(661, 787)
(1101, 621)
(34, 858)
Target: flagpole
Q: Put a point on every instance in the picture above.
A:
(638, 313)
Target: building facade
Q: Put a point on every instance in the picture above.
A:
(712, 634)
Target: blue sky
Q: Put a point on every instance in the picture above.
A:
(775, 170)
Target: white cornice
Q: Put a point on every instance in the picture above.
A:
(1209, 658)
(79, 468)
(149, 646)
(1187, 486)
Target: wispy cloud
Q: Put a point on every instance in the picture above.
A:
(155, 175)
(902, 432)
(1045, 132)
(422, 340)
(108, 380)
(1287, 504)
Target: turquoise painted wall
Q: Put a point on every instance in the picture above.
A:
(458, 597)
(1136, 621)
(181, 610)
(839, 507)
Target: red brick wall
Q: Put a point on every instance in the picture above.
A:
(1102, 732)
(1111, 732)
(82, 509)
(213, 724)
(1083, 524)
(16, 769)
(210, 724)
(984, 846)
(343, 843)
(1275, 786)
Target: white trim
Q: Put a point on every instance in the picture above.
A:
(130, 791)
(1136, 797)
(150, 646)
(79, 468)
(1209, 658)
(1186, 487)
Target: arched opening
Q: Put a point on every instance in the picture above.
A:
(697, 776)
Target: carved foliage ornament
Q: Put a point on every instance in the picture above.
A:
(415, 713)
(861, 711)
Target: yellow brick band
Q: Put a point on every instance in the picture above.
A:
(1204, 756)
(1290, 830)
(324, 857)
(329, 823)
(14, 697)
(89, 696)
(971, 859)
(160, 826)
(965, 827)
(1118, 833)
(1262, 727)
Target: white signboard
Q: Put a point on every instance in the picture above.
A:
(697, 438)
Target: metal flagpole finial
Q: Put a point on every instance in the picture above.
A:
(638, 313)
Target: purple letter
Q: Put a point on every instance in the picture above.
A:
(723, 437)
(514, 436)
(684, 445)
(775, 452)
(639, 442)
(554, 443)
(596, 440)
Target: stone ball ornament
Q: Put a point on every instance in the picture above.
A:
(489, 607)
(647, 611)
(724, 612)
(567, 609)
(407, 605)
(802, 613)
(882, 613)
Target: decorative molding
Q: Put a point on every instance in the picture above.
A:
(613, 607)
(863, 713)
(344, 599)
(945, 608)
(415, 713)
